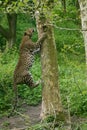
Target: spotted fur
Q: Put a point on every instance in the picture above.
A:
(26, 58)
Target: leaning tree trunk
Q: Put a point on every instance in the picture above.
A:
(83, 10)
(51, 101)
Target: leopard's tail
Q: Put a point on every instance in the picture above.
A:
(15, 98)
(14, 101)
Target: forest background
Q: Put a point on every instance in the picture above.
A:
(71, 60)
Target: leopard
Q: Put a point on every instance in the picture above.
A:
(27, 53)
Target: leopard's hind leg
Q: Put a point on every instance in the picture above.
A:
(28, 80)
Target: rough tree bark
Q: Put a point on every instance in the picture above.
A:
(83, 10)
(51, 101)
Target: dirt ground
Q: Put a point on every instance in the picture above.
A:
(21, 120)
(30, 115)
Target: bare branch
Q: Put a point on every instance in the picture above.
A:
(68, 29)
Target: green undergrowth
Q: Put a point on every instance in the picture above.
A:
(72, 82)
(8, 61)
(49, 126)
(52, 123)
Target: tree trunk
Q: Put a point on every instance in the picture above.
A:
(51, 101)
(83, 10)
(12, 20)
(10, 33)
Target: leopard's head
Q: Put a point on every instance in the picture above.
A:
(29, 32)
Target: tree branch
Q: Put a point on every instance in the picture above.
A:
(68, 29)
